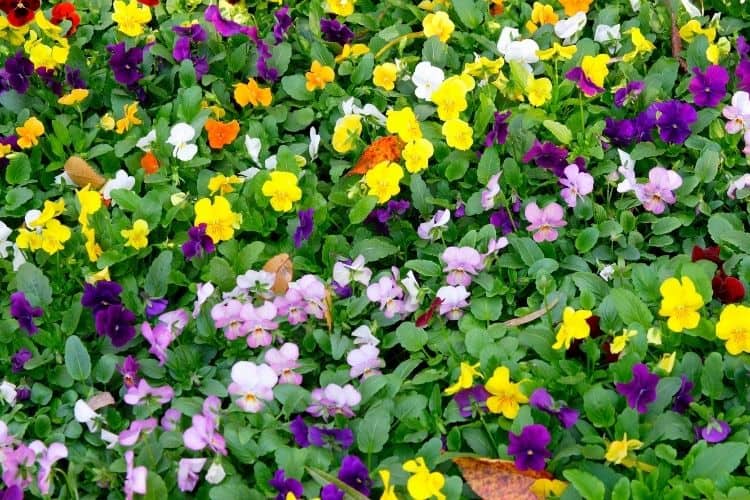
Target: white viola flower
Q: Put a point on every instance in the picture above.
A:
(180, 136)
(411, 303)
(431, 229)
(627, 169)
(121, 181)
(18, 258)
(64, 179)
(251, 280)
(524, 52)
(144, 143)
(84, 414)
(271, 162)
(203, 292)
(253, 384)
(8, 392)
(427, 78)
(691, 9)
(253, 146)
(605, 33)
(607, 272)
(215, 473)
(5, 232)
(249, 173)
(507, 36)
(110, 438)
(314, 143)
(567, 28)
(740, 183)
(350, 108)
(363, 335)
(737, 113)
(344, 273)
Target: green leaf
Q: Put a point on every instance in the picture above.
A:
(712, 376)
(586, 484)
(526, 248)
(293, 398)
(630, 308)
(362, 209)
(155, 487)
(294, 85)
(645, 150)
(157, 277)
(374, 248)
(586, 239)
(717, 460)
(77, 359)
(487, 309)
(599, 404)
(420, 193)
(18, 170)
(363, 71)
(98, 150)
(299, 119)
(435, 52)
(16, 197)
(324, 478)
(468, 12)
(373, 430)
(34, 284)
(666, 225)
(410, 337)
(707, 165)
(424, 267)
(560, 131)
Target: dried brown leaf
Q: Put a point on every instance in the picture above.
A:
(328, 309)
(100, 400)
(280, 265)
(82, 173)
(493, 479)
(532, 316)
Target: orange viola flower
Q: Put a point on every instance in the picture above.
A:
(220, 134)
(318, 77)
(149, 163)
(573, 7)
(252, 93)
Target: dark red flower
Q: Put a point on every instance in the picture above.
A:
(425, 318)
(150, 3)
(727, 289)
(66, 11)
(708, 253)
(19, 12)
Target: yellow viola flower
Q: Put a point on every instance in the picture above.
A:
(404, 123)
(90, 202)
(102, 275)
(483, 67)
(346, 133)
(14, 35)
(423, 484)
(539, 91)
(618, 451)
(222, 183)
(107, 122)
(505, 396)
(5, 149)
(573, 327)
(465, 378)
(458, 134)
(450, 98)
(595, 68)
(383, 180)
(716, 51)
(692, 28)
(46, 56)
(137, 237)
(734, 328)
(620, 342)
(438, 24)
(29, 133)
(680, 303)
(341, 7)
(130, 17)
(653, 335)
(51, 30)
(129, 118)
(385, 75)
(666, 362)
(283, 190)
(318, 77)
(218, 217)
(641, 45)
(541, 14)
(50, 210)
(28, 240)
(93, 250)
(389, 491)
(557, 51)
(573, 7)
(416, 155)
(545, 488)
(353, 51)
(73, 97)
(252, 93)
(53, 236)
(431, 5)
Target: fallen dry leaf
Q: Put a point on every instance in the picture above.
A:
(82, 173)
(100, 400)
(532, 316)
(280, 265)
(328, 309)
(494, 479)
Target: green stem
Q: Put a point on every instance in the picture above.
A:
(397, 40)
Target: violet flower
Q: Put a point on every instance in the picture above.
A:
(117, 323)
(204, 432)
(13, 492)
(305, 435)
(490, 192)
(674, 119)
(101, 295)
(628, 93)
(73, 78)
(155, 307)
(503, 221)
(453, 301)
(129, 371)
(188, 473)
(22, 311)
(19, 359)
(304, 228)
(364, 361)
(282, 24)
(641, 390)
(530, 447)
(253, 384)
(355, 474)
(709, 87)
(577, 184)
(542, 400)
(683, 398)
(461, 264)
(283, 361)
(46, 458)
(548, 156)
(135, 477)
(125, 63)
(225, 27)
(188, 39)
(159, 338)
(138, 393)
(544, 221)
(335, 31)
(334, 400)
(498, 133)
(715, 431)
(49, 77)
(198, 243)
(17, 72)
(286, 486)
(658, 191)
(331, 492)
(17, 466)
(130, 436)
(433, 228)
(171, 419)
(381, 216)
(467, 399)
(578, 76)
(386, 292)
(259, 322)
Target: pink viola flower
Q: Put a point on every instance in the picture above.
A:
(159, 338)
(175, 320)
(363, 335)
(334, 400)
(313, 292)
(388, 294)
(203, 292)
(130, 436)
(204, 431)
(259, 321)
(738, 113)
(433, 228)
(135, 477)
(226, 315)
(461, 264)
(657, 192)
(742, 182)
(364, 361)
(490, 193)
(253, 383)
(171, 419)
(344, 272)
(493, 247)
(577, 184)
(292, 306)
(18, 465)
(283, 361)
(188, 472)
(544, 221)
(137, 393)
(46, 458)
(453, 301)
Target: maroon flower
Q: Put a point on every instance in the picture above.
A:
(425, 318)
(20, 12)
(727, 289)
(708, 253)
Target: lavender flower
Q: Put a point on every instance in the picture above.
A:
(461, 264)
(715, 431)
(198, 243)
(530, 447)
(542, 400)
(657, 192)
(19, 359)
(577, 185)
(709, 87)
(628, 93)
(674, 119)
(282, 24)
(304, 228)
(335, 31)
(467, 398)
(683, 398)
(24, 313)
(641, 390)
(354, 473)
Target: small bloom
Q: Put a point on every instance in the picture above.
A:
(364, 361)
(734, 328)
(683, 398)
(577, 184)
(416, 155)
(180, 136)
(218, 216)
(199, 243)
(29, 133)
(19, 359)
(130, 17)
(383, 180)
(221, 134)
(680, 303)
(658, 191)
(252, 93)
(188, 473)
(453, 301)
(465, 378)
(709, 87)
(423, 484)
(288, 488)
(674, 119)
(385, 75)
(505, 396)
(530, 447)
(426, 78)
(574, 326)
(137, 237)
(318, 77)
(135, 477)
(542, 400)
(253, 383)
(641, 44)
(283, 361)
(23, 312)
(538, 91)
(438, 24)
(458, 134)
(641, 390)
(618, 451)
(304, 228)
(544, 221)
(335, 31)
(715, 431)
(354, 473)
(461, 264)
(433, 228)
(283, 190)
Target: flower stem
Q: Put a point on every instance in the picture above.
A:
(408, 36)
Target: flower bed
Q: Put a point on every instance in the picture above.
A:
(374, 250)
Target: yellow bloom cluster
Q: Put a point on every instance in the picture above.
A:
(43, 230)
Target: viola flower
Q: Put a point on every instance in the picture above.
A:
(498, 133)
(450, 97)
(19, 359)
(335, 31)
(416, 155)
(180, 136)
(20, 13)
(199, 243)
(385, 75)
(577, 185)
(125, 63)
(423, 484)
(221, 134)
(282, 189)
(547, 155)
(628, 93)
(542, 400)
(136, 394)
(727, 289)
(252, 93)
(334, 400)
(590, 74)
(283, 361)
(466, 399)
(674, 119)
(680, 303)
(641, 390)
(17, 73)
(287, 487)
(574, 326)
(734, 328)
(715, 431)
(709, 87)
(461, 264)
(304, 228)
(258, 324)
(254, 383)
(432, 229)
(204, 432)
(641, 45)
(530, 447)
(135, 477)
(282, 24)
(383, 180)
(171, 419)
(709, 253)
(465, 378)
(544, 221)
(438, 24)
(65, 11)
(618, 452)
(318, 77)
(737, 113)
(426, 78)
(130, 436)
(453, 301)
(658, 191)
(137, 237)
(364, 361)
(22, 311)
(354, 473)
(620, 342)
(218, 216)
(490, 193)
(505, 396)
(381, 216)
(346, 132)
(188, 473)
(681, 401)
(159, 338)
(29, 133)
(331, 492)
(404, 123)
(101, 295)
(541, 14)
(129, 371)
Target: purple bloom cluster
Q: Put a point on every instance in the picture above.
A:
(542, 400)
(674, 118)
(742, 71)
(381, 216)
(548, 156)
(355, 474)
(187, 46)
(111, 318)
(125, 64)
(282, 24)
(628, 93)
(498, 133)
(23, 312)
(305, 228)
(16, 73)
(307, 435)
(198, 243)
(335, 31)
(49, 77)
(623, 133)
(709, 87)
(530, 447)
(641, 390)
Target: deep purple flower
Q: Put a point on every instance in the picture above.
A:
(743, 48)
(305, 435)
(73, 78)
(225, 27)
(674, 119)
(265, 72)
(155, 307)
(282, 24)
(49, 77)
(335, 31)
(683, 398)
(19, 359)
(23, 394)
(549, 156)
(621, 133)
(530, 447)
(467, 398)
(628, 93)
(641, 390)
(354, 473)
(286, 485)
(125, 63)
(460, 210)
(188, 37)
(305, 226)
(342, 292)
(542, 400)
(498, 134)
(331, 492)
(117, 323)
(586, 86)
(198, 242)
(381, 216)
(715, 432)
(129, 371)
(194, 32)
(17, 72)
(24, 313)
(14, 492)
(709, 87)
(101, 295)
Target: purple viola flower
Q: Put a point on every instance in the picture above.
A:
(502, 220)
(304, 228)
(17, 72)
(125, 63)
(129, 371)
(335, 31)
(225, 27)
(49, 77)
(715, 431)
(155, 307)
(117, 323)
(530, 447)
(628, 93)
(342, 292)
(683, 398)
(282, 24)
(578, 76)
(101, 295)
(17, 466)
(381, 216)
(144, 392)
(461, 264)
(621, 133)
(498, 134)
(354, 473)
(467, 399)
(285, 485)
(331, 492)
(548, 156)
(23, 312)
(19, 359)
(674, 119)
(542, 400)
(305, 435)
(641, 390)
(658, 191)
(578, 183)
(709, 87)
(198, 243)
(188, 37)
(73, 78)
(14, 492)
(23, 394)
(742, 72)
(171, 419)
(460, 210)
(265, 72)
